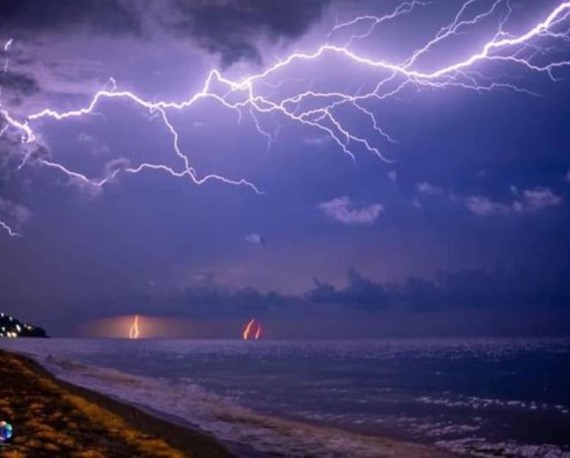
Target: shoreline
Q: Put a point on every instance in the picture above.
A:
(187, 439)
(52, 417)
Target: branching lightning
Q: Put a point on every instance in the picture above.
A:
(320, 110)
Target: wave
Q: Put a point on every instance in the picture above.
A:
(226, 419)
(475, 402)
(480, 448)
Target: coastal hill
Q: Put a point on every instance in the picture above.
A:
(12, 328)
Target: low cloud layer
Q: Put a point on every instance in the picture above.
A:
(450, 290)
(360, 292)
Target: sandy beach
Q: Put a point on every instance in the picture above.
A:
(53, 418)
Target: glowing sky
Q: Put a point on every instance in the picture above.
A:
(351, 157)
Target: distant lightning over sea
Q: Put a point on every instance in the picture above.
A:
(252, 330)
(134, 331)
(531, 50)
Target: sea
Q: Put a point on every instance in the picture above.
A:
(471, 397)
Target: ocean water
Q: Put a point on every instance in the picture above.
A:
(478, 397)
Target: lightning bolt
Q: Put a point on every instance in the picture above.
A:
(11, 232)
(6, 49)
(321, 110)
(134, 331)
(248, 330)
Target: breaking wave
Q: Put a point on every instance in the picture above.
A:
(222, 417)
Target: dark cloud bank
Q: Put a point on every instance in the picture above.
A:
(61, 16)
(468, 302)
(463, 289)
(231, 29)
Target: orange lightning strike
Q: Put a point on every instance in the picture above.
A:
(248, 330)
(134, 332)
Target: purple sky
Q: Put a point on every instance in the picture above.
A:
(465, 213)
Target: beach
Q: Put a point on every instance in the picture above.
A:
(384, 398)
(54, 418)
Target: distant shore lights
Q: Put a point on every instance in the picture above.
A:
(252, 330)
(134, 331)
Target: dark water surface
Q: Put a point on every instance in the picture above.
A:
(509, 397)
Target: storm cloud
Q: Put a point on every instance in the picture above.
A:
(25, 17)
(464, 289)
(471, 213)
(19, 83)
(231, 29)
